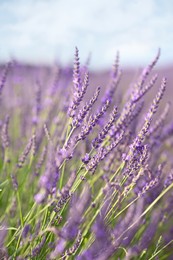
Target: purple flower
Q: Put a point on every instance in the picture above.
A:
(78, 119)
(102, 134)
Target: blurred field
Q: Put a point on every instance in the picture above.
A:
(26, 77)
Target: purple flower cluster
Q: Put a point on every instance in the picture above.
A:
(84, 177)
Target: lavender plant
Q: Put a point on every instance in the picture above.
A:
(82, 175)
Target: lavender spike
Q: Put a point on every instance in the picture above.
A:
(4, 133)
(76, 71)
(147, 70)
(142, 92)
(25, 153)
(93, 120)
(83, 112)
(159, 122)
(142, 134)
(100, 137)
(78, 96)
(4, 76)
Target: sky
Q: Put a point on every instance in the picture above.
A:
(47, 31)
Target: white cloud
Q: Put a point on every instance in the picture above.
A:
(40, 30)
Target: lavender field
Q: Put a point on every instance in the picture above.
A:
(86, 168)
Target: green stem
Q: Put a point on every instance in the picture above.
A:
(20, 209)
(147, 209)
(158, 252)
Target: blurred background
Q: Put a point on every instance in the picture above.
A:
(47, 31)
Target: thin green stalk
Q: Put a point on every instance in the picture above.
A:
(20, 208)
(158, 252)
(62, 176)
(147, 209)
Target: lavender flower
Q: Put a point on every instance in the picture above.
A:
(4, 76)
(169, 179)
(78, 96)
(14, 182)
(141, 92)
(65, 193)
(41, 160)
(37, 107)
(76, 71)
(25, 153)
(102, 153)
(100, 137)
(83, 112)
(149, 232)
(39, 247)
(159, 122)
(4, 133)
(115, 204)
(142, 134)
(146, 71)
(92, 121)
(71, 229)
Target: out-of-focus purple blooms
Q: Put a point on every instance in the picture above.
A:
(140, 93)
(47, 133)
(39, 247)
(4, 133)
(148, 186)
(146, 71)
(150, 231)
(101, 245)
(25, 153)
(41, 160)
(78, 119)
(159, 122)
(169, 179)
(14, 182)
(26, 230)
(108, 191)
(76, 212)
(65, 193)
(75, 218)
(33, 149)
(136, 94)
(3, 233)
(4, 76)
(41, 196)
(133, 116)
(122, 233)
(75, 246)
(37, 105)
(86, 158)
(114, 80)
(66, 152)
(55, 84)
(168, 132)
(49, 179)
(112, 87)
(61, 243)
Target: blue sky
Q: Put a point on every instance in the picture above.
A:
(48, 30)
